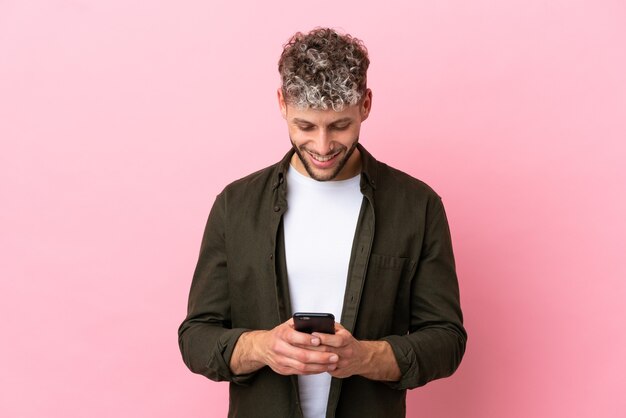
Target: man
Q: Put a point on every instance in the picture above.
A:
(327, 229)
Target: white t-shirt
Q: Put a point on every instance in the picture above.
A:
(319, 228)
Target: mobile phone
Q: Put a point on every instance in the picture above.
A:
(310, 322)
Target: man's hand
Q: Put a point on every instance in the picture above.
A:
(284, 349)
(371, 359)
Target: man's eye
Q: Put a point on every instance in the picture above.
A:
(305, 127)
(341, 127)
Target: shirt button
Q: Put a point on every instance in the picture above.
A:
(276, 208)
(271, 256)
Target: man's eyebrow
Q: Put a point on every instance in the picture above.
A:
(342, 120)
(335, 122)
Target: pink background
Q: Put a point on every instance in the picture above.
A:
(120, 121)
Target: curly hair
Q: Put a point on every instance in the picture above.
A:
(323, 69)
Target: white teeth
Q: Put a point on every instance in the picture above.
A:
(322, 158)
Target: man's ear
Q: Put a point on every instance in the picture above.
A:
(281, 103)
(366, 104)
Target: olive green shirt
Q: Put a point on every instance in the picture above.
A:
(401, 288)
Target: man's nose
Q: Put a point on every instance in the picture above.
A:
(323, 142)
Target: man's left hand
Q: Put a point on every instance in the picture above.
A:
(371, 359)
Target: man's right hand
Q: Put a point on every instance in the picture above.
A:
(284, 350)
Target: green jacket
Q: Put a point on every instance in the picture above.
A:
(401, 287)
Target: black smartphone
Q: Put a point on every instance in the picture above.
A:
(310, 322)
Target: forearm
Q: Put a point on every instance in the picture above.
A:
(380, 362)
(245, 358)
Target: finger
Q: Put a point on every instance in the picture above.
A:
(321, 347)
(286, 370)
(306, 361)
(339, 373)
(308, 368)
(333, 340)
(304, 353)
(294, 337)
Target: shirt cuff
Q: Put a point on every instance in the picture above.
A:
(220, 360)
(407, 362)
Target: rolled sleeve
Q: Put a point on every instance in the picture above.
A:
(219, 362)
(407, 362)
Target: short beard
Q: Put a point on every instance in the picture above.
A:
(337, 170)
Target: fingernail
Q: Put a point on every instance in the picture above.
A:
(334, 358)
(315, 341)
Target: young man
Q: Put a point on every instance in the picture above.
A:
(327, 229)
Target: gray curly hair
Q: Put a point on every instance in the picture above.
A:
(323, 69)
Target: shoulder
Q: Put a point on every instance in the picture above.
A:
(257, 180)
(251, 187)
(406, 199)
(394, 177)
(255, 187)
(391, 181)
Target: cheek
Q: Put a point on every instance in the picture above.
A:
(296, 138)
(294, 135)
(348, 137)
(300, 138)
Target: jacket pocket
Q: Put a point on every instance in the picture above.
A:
(384, 305)
(387, 262)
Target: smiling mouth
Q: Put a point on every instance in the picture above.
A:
(323, 158)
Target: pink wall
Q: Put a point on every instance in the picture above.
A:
(120, 120)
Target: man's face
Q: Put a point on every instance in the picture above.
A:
(325, 140)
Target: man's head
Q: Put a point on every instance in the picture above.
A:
(323, 70)
(324, 98)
